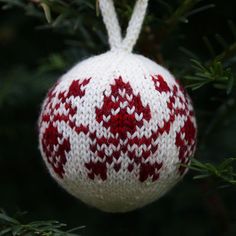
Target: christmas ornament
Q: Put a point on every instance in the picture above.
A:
(115, 129)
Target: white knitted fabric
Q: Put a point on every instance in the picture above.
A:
(114, 129)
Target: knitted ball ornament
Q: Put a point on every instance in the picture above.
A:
(115, 129)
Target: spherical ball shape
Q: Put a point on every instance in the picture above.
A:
(115, 129)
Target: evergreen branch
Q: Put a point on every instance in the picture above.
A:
(28, 7)
(227, 53)
(58, 7)
(183, 11)
(229, 50)
(216, 73)
(10, 226)
(179, 14)
(223, 171)
(209, 46)
(200, 9)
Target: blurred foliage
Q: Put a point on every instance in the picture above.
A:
(195, 39)
(10, 226)
(216, 73)
(224, 171)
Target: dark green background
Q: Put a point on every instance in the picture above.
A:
(195, 208)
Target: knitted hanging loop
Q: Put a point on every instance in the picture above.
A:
(113, 27)
(117, 130)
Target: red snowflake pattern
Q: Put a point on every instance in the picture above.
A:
(186, 137)
(55, 145)
(122, 113)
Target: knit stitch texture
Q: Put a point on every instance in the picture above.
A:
(115, 130)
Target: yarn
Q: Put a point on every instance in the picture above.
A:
(117, 130)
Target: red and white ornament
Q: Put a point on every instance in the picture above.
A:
(114, 129)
